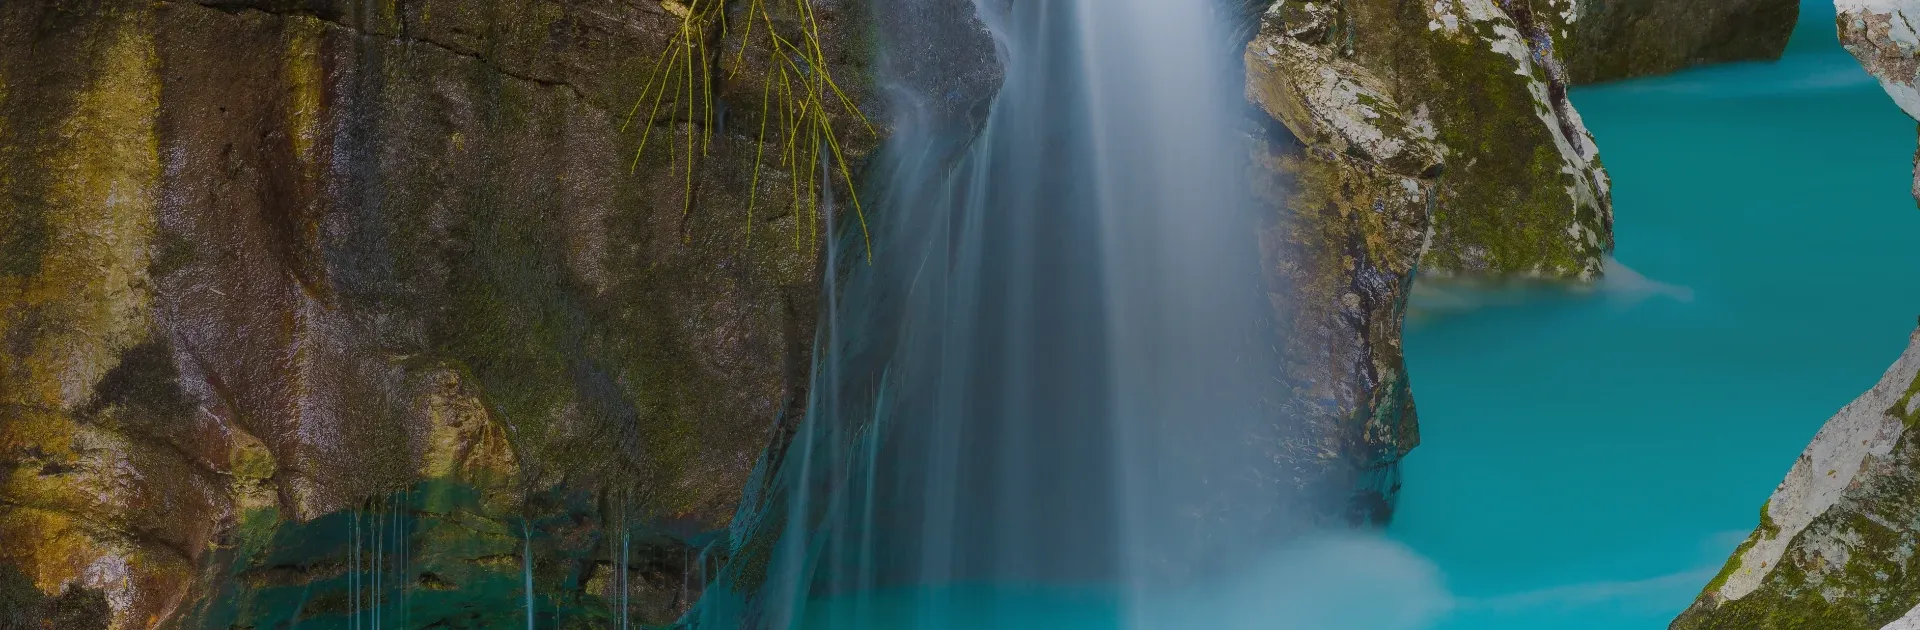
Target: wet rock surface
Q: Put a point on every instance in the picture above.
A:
(268, 259)
(1398, 137)
(272, 270)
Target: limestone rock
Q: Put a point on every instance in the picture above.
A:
(1882, 35)
(1525, 195)
(1837, 542)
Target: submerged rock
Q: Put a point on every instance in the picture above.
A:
(1605, 40)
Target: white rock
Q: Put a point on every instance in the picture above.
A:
(1863, 428)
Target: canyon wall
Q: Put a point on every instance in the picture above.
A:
(269, 262)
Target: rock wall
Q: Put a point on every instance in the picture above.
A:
(267, 259)
(1885, 36)
(1605, 40)
(1836, 547)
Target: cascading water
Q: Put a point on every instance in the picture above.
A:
(1048, 390)
(526, 571)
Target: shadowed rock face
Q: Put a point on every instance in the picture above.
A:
(1606, 40)
(265, 259)
(1352, 181)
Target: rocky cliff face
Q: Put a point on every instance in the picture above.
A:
(1837, 542)
(1605, 40)
(1885, 36)
(265, 260)
(1429, 137)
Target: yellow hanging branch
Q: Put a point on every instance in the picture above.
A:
(797, 85)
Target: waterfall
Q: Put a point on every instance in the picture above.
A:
(353, 564)
(626, 540)
(1051, 373)
(526, 562)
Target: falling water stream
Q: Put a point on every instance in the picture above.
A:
(1038, 403)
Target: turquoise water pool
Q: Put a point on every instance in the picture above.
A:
(1589, 463)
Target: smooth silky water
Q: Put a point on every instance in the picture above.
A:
(1591, 463)
(987, 447)
(1040, 395)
